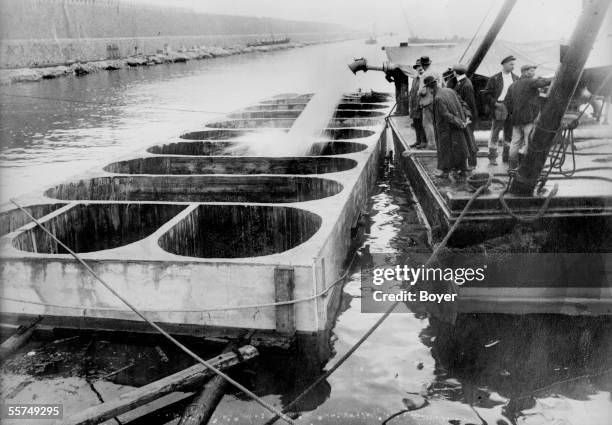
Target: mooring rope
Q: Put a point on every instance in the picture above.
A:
(432, 258)
(186, 350)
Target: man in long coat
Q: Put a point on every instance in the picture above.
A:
(450, 123)
(465, 91)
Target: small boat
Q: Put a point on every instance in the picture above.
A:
(371, 40)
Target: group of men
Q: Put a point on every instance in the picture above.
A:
(444, 116)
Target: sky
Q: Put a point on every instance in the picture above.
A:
(530, 20)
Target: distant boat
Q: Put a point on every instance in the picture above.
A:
(269, 42)
(371, 40)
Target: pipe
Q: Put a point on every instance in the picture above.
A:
(563, 87)
(361, 64)
(490, 37)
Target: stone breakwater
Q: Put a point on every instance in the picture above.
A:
(18, 75)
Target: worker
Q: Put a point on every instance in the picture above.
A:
(450, 125)
(415, 111)
(395, 74)
(465, 90)
(523, 104)
(495, 91)
(426, 102)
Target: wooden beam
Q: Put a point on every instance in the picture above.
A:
(18, 339)
(284, 288)
(488, 40)
(560, 93)
(195, 375)
(201, 408)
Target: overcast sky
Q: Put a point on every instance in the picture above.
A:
(530, 19)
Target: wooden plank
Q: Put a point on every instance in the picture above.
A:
(284, 284)
(194, 375)
(200, 410)
(18, 339)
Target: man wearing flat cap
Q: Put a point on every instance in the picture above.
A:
(450, 125)
(495, 91)
(523, 104)
(465, 90)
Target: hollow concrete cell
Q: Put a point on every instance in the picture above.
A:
(198, 148)
(265, 114)
(234, 231)
(265, 189)
(95, 227)
(346, 133)
(335, 148)
(278, 107)
(367, 98)
(215, 134)
(253, 123)
(13, 219)
(361, 106)
(353, 122)
(358, 114)
(229, 165)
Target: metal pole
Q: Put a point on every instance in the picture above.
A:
(490, 37)
(563, 87)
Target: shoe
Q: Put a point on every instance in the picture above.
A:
(505, 153)
(421, 147)
(492, 156)
(415, 145)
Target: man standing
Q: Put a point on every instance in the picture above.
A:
(415, 111)
(496, 90)
(523, 103)
(426, 102)
(450, 125)
(465, 90)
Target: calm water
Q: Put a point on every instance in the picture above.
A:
(487, 369)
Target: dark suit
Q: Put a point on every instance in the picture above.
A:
(492, 92)
(465, 91)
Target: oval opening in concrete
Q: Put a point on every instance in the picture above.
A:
(229, 165)
(361, 106)
(89, 228)
(13, 219)
(234, 231)
(346, 133)
(273, 189)
(335, 148)
(358, 114)
(197, 148)
(367, 98)
(265, 114)
(215, 134)
(284, 107)
(352, 122)
(253, 123)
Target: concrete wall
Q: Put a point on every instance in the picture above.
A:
(42, 32)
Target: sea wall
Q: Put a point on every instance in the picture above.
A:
(51, 32)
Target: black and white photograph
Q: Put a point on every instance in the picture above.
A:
(322, 212)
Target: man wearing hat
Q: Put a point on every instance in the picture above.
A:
(415, 110)
(465, 90)
(496, 90)
(523, 104)
(426, 102)
(450, 125)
